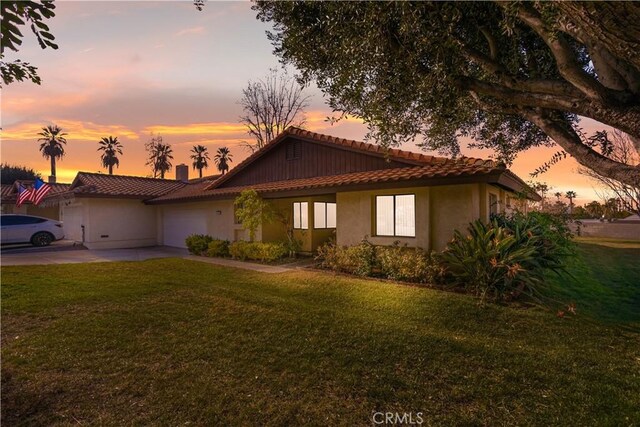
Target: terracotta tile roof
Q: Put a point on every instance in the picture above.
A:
(408, 157)
(433, 171)
(6, 190)
(191, 191)
(9, 193)
(96, 184)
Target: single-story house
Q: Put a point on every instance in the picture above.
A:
(48, 207)
(329, 187)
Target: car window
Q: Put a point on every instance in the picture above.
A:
(21, 220)
(7, 220)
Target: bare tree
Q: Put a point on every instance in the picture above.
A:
(270, 105)
(621, 150)
(160, 156)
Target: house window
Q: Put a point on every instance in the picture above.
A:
(293, 150)
(300, 215)
(396, 215)
(493, 204)
(324, 215)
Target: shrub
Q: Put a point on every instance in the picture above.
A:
(359, 259)
(394, 262)
(238, 250)
(198, 244)
(218, 248)
(553, 237)
(265, 252)
(408, 264)
(499, 263)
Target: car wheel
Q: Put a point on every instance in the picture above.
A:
(42, 239)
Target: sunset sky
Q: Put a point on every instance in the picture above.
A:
(128, 69)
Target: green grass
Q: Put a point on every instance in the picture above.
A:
(174, 342)
(605, 282)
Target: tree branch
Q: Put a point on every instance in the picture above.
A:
(565, 57)
(567, 138)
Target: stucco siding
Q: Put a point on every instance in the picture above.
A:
(355, 212)
(452, 207)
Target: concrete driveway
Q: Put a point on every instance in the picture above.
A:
(73, 255)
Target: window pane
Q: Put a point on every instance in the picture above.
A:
(331, 215)
(384, 215)
(406, 215)
(304, 215)
(319, 215)
(296, 215)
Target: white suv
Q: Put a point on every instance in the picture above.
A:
(30, 229)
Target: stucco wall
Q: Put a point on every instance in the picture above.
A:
(355, 217)
(52, 212)
(627, 230)
(439, 211)
(453, 207)
(118, 223)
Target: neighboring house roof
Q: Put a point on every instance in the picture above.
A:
(9, 191)
(100, 185)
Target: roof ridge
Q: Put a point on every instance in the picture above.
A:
(106, 175)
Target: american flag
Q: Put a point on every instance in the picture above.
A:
(24, 194)
(40, 189)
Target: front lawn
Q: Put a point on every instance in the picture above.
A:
(174, 342)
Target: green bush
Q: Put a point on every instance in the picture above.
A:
(408, 264)
(198, 244)
(218, 248)
(392, 262)
(507, 257)
(259, 251)
(553, 241)
(359, 260)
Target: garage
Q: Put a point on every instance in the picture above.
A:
(180, 223)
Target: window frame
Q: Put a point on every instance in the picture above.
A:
(326, 216)
(300, 212)
(375, 216)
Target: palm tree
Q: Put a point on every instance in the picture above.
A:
(52, 147)
(200, 158)
(110, 148)
(163, 154)
(222, 158)
(558, 195)
(570, 195)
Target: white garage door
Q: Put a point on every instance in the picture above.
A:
(72, 222)
(178, 224)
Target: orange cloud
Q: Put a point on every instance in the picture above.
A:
(76, 131)
(212, 128)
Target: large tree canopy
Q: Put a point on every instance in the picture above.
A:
(512, 75)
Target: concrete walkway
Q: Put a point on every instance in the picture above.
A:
(38, 257)
(85, 255)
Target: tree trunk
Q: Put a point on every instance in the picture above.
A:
(53, 166)
(110, 169)
(200, 170)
